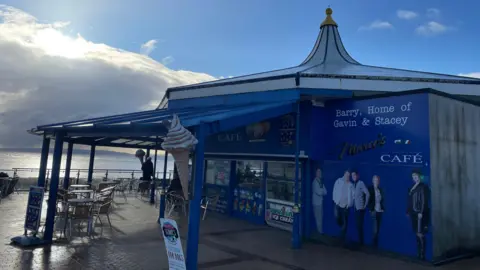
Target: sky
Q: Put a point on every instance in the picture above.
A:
(68, 59)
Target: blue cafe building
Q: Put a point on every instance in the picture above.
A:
(279, 146)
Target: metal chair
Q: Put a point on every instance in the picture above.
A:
(102, 207)
(175, 200)
(210, 201)
(122, 188)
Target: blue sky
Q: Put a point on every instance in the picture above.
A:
(226, 37)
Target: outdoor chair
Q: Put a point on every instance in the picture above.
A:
(210, 201)
(173, 201)
(102, 207)
(3, 186)
(12, 186)
(79, 215)
(122, 187)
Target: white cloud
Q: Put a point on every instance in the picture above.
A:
(223, 77)
(148, 47)
(433, 13)
(47, 76)
(431, 29)
(378, 24)
(168, 60)
(471, 74)
(406, 14)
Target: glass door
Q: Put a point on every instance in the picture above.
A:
(280, 187)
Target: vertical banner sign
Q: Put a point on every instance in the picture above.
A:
(173, 244)
(34, 209)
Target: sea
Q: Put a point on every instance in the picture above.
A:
(26, 163)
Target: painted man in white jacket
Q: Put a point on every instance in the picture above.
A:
(318, 192)
(343, 199)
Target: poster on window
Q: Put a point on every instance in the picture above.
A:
(279, 213)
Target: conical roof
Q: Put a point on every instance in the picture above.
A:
(330, 66)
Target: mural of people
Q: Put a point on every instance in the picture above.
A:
(376, 207)
(418, 210)
(360, 199)
(343, 199)
(318, 192)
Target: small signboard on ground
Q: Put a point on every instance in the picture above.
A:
(173, 244)
(34, 209)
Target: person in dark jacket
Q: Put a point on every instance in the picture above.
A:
(147, 170)
(418, 210)
(376, 206)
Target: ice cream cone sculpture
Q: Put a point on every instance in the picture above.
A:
(179, 142)
(140, 154)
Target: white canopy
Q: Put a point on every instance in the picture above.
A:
(329, 66)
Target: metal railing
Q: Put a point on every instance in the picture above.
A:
(28, 176)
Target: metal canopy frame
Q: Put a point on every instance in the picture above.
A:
(141, 129)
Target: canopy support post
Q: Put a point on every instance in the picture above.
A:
(52, 195)
(194, 208)
(163, 191)
(68, 165)
(152, 186)
(43, 162)
(90, 165)
(296, 241)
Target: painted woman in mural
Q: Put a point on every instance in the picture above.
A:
(319, 191)
(343, 199)
(376, 207)
(418, 210)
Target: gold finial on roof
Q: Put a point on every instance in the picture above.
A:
(328, 20)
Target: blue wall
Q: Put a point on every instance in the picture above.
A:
(387, 137)
(278, 137)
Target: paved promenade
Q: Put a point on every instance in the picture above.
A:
(135, 242)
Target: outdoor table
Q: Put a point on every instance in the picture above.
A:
(80, 186)
(82, 191)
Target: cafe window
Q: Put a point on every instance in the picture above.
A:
(218, 172)
(281, 181)
(250, 173)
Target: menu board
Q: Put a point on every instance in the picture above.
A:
(34, 208)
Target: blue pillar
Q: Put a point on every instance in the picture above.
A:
(307, 200)
(296, 240)
(164, 187)
(52, 195)
(194, 208)
(68, 165)
(148, 152)
(90, 165)
(152, 186)
(43, 162)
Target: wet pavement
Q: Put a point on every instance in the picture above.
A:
(134, 242)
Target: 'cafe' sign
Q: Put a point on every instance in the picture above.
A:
(229, 137)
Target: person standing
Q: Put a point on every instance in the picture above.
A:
(147, 173)
(418, 211)
(376, 207)
(318, 190)
(343, 199)
(361, 197)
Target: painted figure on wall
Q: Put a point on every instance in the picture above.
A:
(319, 191)
(343, 199)
(376, 207)
(418, 210)
(360, 199)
